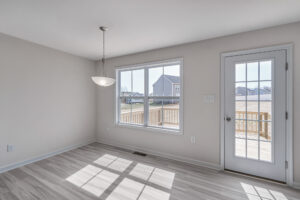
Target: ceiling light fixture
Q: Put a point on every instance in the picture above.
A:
(103, 80)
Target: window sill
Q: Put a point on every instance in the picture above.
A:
(150, 129)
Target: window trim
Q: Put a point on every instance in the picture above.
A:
(148, 65)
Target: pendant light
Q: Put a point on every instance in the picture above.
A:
(103, 80)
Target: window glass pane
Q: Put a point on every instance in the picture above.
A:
(240, 128)
(155, 112)
(137, 112)
(252, 129)
(240, 72)
(155, 81)
(125, 83)
(252, 149)
(240, 147)
(266, 70)
(171, 113)
(252, 91)
(138, 82)
(252, 71)
(266, 151)
(171, 80)
(266, 131)
(240, 109)
(163, 80)
(240, 91)
(125, 110)
(252, 110)
(265, 90)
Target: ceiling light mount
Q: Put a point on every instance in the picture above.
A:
(103, 28)
(103, 80)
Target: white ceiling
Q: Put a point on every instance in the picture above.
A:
(137, 25)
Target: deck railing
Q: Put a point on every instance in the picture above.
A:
(157, 116)
(170, 116)
(255, 121)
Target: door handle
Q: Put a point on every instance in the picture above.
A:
(228, 118)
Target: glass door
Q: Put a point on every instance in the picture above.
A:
(255, 114)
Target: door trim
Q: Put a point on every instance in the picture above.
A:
(289, 107)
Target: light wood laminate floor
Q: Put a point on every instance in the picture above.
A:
(98, 171)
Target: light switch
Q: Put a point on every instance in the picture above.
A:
(9, 148)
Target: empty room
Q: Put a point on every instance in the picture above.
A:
(149, 99)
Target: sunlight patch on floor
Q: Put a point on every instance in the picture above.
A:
(127, 190)
(142, 171)
(100, 183)
(151, 193)
(105, 160)
(259, 193)
(97, 180)
(162, 177)
(84, 175)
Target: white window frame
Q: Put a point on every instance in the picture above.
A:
(146, 66)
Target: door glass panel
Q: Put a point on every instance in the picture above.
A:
(240, 91)
(252, 91)
(265, 151)
(266, 131)
(240, 128)
(240, 72)
(266, 70)
(252, 129)
(252, 149)
(253, 110)
(240, 147)
(240, 110)
(252, 71)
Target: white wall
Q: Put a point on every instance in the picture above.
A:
(47, 100)
(201, 76)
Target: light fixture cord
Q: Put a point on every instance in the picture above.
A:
(103, 57)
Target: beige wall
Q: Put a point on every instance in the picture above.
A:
(47, 100)
(201, 77)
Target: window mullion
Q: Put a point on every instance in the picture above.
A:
(146, 102)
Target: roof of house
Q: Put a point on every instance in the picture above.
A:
(172, 79)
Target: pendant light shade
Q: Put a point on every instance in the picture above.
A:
(103, 80)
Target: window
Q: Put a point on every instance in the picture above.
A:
(150, 95)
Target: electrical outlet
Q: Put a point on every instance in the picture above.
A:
(193, 139)
(10, 148)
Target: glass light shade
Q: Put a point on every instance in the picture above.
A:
(103, 81)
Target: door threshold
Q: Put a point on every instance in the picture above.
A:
(255, 177)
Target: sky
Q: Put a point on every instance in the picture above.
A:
(138, 78)
(252, 71)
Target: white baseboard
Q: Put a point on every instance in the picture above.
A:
(296, 185)
(32, 160)
(163, 155)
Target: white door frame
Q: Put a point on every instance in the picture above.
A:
(289, 106)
